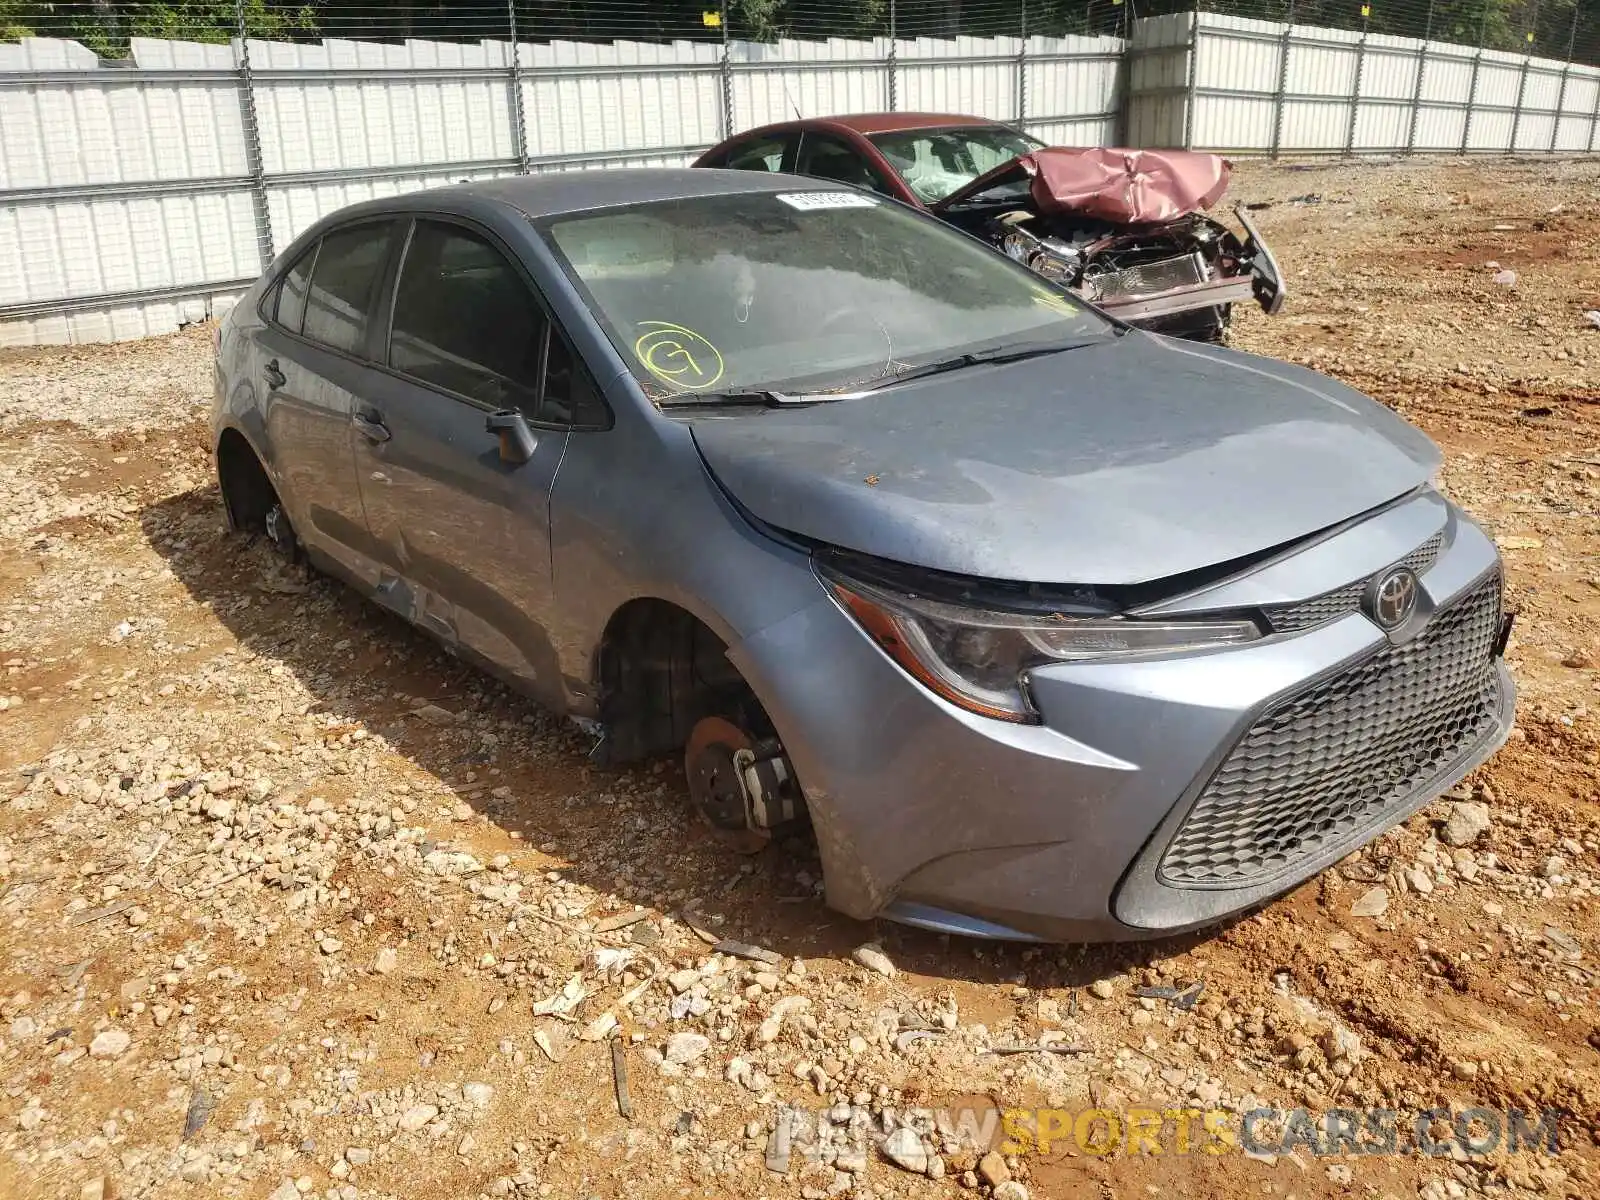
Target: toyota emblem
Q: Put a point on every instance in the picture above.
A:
(1392, 598)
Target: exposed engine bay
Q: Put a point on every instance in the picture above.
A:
(1125, 230)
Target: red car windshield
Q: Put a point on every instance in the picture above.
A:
(936, 162)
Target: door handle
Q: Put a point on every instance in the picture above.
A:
(370, 428)
(275, 377)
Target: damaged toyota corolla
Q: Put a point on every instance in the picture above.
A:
(1048, 627)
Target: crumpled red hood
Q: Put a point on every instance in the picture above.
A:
(1126, 187)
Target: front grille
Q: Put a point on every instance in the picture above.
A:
(1146, 278)
(1324, 767)
(1289, 618)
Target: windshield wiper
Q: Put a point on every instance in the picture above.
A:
(750, 398)
(977, 358)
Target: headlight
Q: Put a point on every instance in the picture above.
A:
(979, 658)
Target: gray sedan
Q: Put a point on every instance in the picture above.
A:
(1045, 626)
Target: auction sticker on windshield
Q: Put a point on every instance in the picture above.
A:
(811, 201)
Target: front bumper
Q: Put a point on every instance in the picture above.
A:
(931, 815)
(1263, 283)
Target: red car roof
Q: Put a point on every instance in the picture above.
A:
(893, 122)
(889, 122)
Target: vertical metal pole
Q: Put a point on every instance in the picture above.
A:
(1283, 81)
(1355, 96)
(252, 140)
(1594, 120)
(1566, 73)
(727, 76)
(894, 81)
(1472, 82)
(1416, 91)
(1516, 113)
(1022, 69)
(1192, 83)
(519, 128)
(1522, 85)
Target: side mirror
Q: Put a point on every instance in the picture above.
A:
(517, 441)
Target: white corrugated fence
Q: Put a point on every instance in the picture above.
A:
(138, 196)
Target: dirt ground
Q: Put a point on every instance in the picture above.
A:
(293, 904)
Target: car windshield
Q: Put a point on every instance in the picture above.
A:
(802, 291)
(937, 162)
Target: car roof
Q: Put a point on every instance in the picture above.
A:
(867, 123)
(563, 192)
(895, 122)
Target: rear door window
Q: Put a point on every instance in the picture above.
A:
(824, 156)
(291, 302)
(343, 285)
(759, 154)
(464, 319)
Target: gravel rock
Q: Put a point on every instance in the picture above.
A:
(873, 958)
(904, 1148)
(1102, 989)
(1468, 821)
(418, 1115)
(112, 1043)
(1374, 902)
(682, 1048)
(992, 1169)
(1010, 1190)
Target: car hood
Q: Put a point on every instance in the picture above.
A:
(1124, 187)
(1121, 462)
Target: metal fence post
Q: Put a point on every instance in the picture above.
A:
(1594, 120)
(252, 140)
(1192, 83)
(1422, 74)
(519, 128)
(1522, 82)
(1022, 69)
(1355, 95)
(894, 82)
(727, 75)
(1472, 83)
(1516, 113)
(1566, 73)
(1283, 81)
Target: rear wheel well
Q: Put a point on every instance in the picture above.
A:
(247, 493)
(661, 670)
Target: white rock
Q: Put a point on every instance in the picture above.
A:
(418, 1115)
(905, 1150)
(873, 958)
(357, 1156)
(1421, 882)
(23, 1028)
(682, 981)
(112, 1043)
(1010, 1190)
(386, 961)
(1102, 989)
(1467, 822)
(478, 1095)
(684, 1048)
(285, 1191)
(1374, 902)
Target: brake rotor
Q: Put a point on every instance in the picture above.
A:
(716, 785)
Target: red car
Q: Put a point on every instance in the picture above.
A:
(1125, 229)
